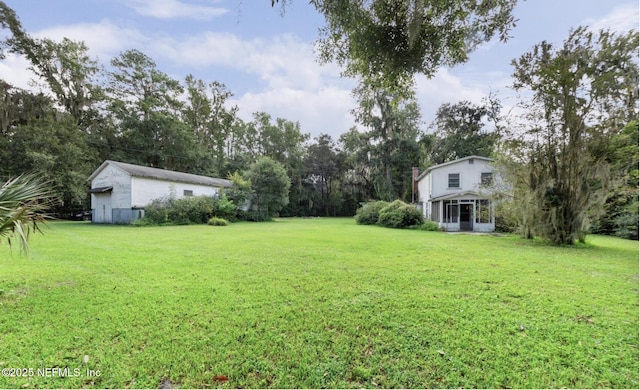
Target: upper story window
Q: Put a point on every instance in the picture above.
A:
(486, 178)
(188, 193)
(454, 180)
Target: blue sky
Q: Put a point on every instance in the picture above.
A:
(267, 60)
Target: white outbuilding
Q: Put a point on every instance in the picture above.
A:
(120, 191)
(456, 194)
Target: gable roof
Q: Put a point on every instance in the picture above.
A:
(431, 168)
(162, 174)
(460, 194)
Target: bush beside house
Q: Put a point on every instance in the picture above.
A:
(396, 214)
(368, 214)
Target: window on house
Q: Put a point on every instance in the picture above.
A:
(435, 211)
(450, 209)
(454, 180)
(486, 178)
(188, 193)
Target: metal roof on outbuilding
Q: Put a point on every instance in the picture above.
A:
(163, 174)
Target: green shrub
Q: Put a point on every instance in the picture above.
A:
(398, 214)
(368, 214)
(196, 209)
(507, 217)
(215, 221)
(627, 222)
(191, 210)
(155, 213)
(430, 226)
(225, 208)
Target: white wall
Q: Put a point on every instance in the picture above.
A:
(121, 183)
(437, 180)
(424, 190)
(470, 175)
(435, 183)
(101, 208)
(145, 190)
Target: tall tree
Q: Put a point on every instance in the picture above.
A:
(69, 73)
(39, 132)
(35, 137)
(283, 141)
(52, 147)
(583, 93)
(358, 177)
(269, 185)
(325, 165)
(393, 122)
(145, 103)
(620, 216)
(206, 112)
(460, 131)
(65, 67)
(392, 40)
(138, 88)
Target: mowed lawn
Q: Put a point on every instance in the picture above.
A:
(315, 303)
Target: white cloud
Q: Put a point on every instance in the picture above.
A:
(623, 18)
(14, 70)
(169, 9)
(288, 82)
(449, 87)
(283, 77)
(105, 40)
(281, 61)
(325, 110)
(203, 50)
(445, 87)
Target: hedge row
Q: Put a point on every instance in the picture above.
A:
(191, 210)
(396, 214)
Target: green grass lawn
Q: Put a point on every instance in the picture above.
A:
(316, 303)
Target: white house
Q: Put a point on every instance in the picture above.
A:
(455, 194)
(120, 191)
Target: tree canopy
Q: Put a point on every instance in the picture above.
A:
(390, 41)
(270, 186)
(584, 93)
(463, 129)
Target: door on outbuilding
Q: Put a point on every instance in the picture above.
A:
(102, 211)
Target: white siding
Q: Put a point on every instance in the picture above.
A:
(470, 174)
(129, 194)
(435, 184)
(101, 208)
(145, 190)
(424, 189)
(120, 197)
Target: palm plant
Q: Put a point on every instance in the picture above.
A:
(24, 201)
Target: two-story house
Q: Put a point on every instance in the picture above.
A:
(455, 194)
